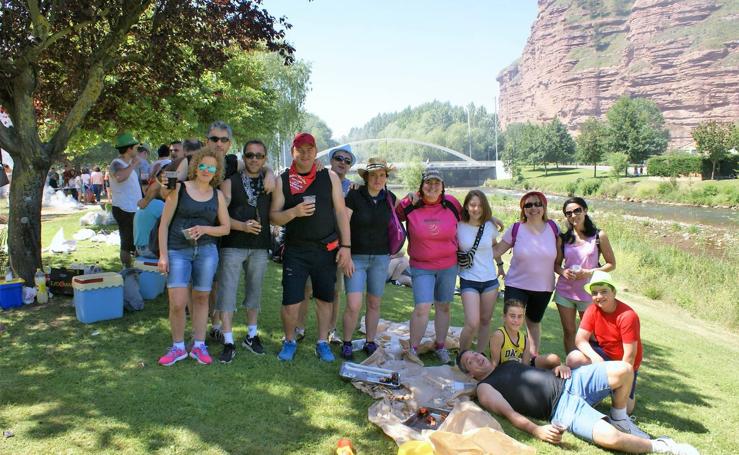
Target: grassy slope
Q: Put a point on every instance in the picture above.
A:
(691, 191)
(63, 389)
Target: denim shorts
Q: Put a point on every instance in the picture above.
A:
(370, 270)
(198, 264)
(233, 261)
(569, 303)
(480, 287)
(431, 286)
(587, 387)
(599, 350)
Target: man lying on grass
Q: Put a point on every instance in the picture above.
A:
(515, 391)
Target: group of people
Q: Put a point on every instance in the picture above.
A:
(84, 185)
(217, 210)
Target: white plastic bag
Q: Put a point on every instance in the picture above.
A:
(83, 234)
(59, 245)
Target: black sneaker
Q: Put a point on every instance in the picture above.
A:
(253, 344)
(216, 335)
(228, 354)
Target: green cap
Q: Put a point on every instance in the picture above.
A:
(125, 140)
(600, 277)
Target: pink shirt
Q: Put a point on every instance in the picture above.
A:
(585, 255)
(96, 178)
(432, 234)
(532, 265)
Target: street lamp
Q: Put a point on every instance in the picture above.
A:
(469, 130)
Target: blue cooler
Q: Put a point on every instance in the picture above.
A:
(151, 282)
(98, 296)
(11, 294)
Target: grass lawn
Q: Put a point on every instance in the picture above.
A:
(66, 387)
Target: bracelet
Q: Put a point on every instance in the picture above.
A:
(345, 246)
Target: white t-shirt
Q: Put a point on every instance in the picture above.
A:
(483, 266)
(126, 193)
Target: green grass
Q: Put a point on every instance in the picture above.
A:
(580, 181)
(66, 389)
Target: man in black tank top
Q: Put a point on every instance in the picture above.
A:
(310, 204)
(565, 397)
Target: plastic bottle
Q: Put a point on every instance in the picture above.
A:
(358, 344)
(42, 296)
(9, 274)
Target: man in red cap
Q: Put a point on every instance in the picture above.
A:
(310, 204)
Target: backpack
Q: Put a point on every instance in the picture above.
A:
(517, 225)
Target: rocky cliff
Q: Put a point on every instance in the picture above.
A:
(584, 54)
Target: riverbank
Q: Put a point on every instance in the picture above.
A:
(580, 181)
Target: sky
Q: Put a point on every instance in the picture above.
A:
(370, 57)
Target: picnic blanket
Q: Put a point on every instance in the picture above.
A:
(468, 429)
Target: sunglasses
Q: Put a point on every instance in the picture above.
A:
(223, 139)
(251, 156)
(205, 167)
(528, 205)
(570, 213)
(345, 160)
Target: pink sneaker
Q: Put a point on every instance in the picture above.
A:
(201, 355)
(172, 356)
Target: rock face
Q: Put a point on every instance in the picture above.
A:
(582, 55)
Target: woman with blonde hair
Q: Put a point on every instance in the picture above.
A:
(195, 213)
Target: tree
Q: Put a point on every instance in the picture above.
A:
(619, 162)
(713, 139)
(69, 64)
(556, 144)
(591, 143)
(636, 127)
(318, 128)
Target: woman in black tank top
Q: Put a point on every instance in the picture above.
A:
(193, 216)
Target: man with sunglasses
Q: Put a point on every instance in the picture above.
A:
(341, 160)
(246, 247)
(310, 204)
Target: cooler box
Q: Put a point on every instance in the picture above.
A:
(11, 294)
(98, 296)
(151, 282)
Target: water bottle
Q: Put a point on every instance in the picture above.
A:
(9, 274)
(42, 296)
(357, 345)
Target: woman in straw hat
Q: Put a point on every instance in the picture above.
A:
(369, 208)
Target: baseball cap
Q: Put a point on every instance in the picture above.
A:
(303, 139)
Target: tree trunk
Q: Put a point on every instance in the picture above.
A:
(545, 169)
(24, 221)
(595, 169)
(713, 170)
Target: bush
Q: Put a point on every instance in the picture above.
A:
(674, 165)
(618, 161)
(710, 190)
(571, 188)
(411, 175)
(589, 187)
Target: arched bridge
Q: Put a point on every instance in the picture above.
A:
(467, 172)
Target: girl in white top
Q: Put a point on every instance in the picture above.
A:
(479, 282)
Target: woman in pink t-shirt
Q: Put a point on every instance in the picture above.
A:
(431, 221)
(530, 277)
(582, 246)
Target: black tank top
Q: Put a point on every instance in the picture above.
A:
(239, 209)
(530, 391)
(191, 213)
(310, 230)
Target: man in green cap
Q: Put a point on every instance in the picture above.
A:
(609, 330)
(125, 192)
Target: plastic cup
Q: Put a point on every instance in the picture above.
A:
(171, 179)
(186, 233)
(576, 268)
(310, 199)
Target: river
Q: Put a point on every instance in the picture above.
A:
(718, 217)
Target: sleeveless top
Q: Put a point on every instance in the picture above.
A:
(510, 351)
(191, 213)
(586, 255)
(239, 209)
(530, 391)
(310, 230)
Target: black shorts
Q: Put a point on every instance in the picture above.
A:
(536, 301)
(125, 228)
(301, 262)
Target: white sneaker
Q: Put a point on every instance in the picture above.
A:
(627, 426)
(667, 445)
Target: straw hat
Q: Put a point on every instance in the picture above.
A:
(374, 164)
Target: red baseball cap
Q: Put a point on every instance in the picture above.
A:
(303, 139)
